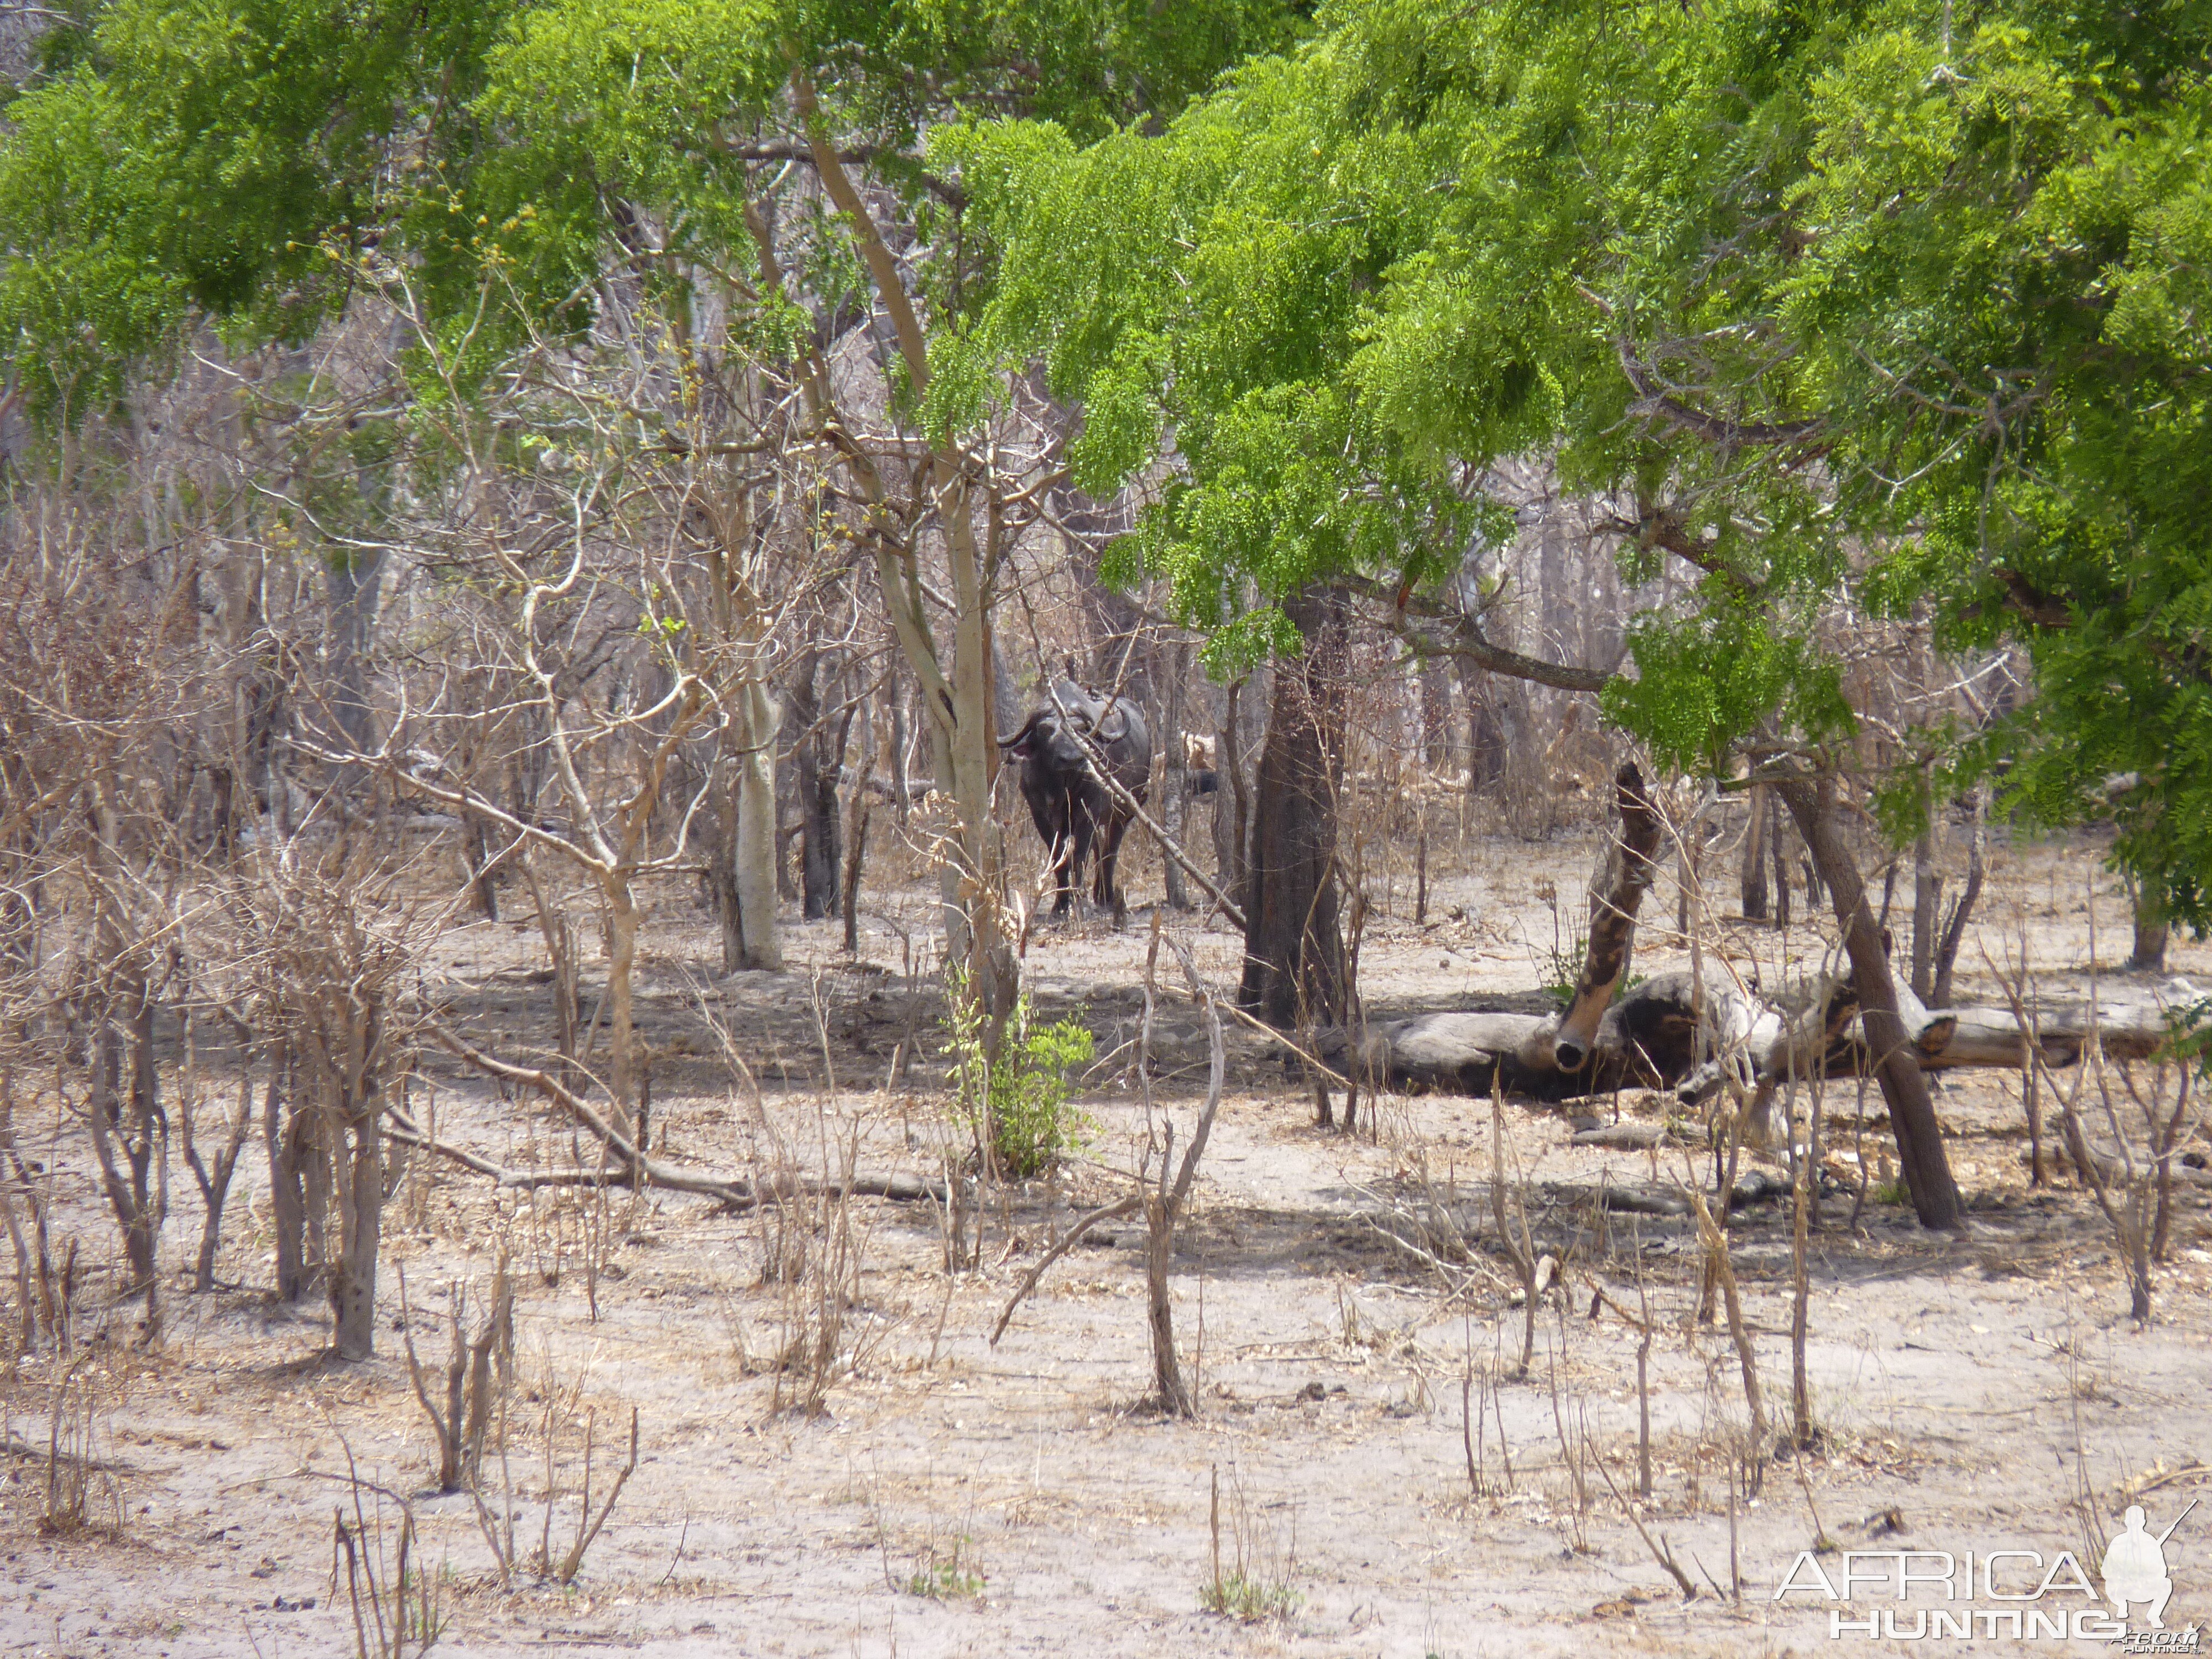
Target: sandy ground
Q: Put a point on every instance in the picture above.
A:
(952, 1497)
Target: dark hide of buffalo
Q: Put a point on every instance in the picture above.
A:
(1071, 807)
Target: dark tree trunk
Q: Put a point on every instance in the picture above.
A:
(1777, 843)
(361, 1207)
(288, 1198)
(1232, 801)
(2148, 955)
(1614, 900)
(350, 601)
(129, 1133)
(1293, 945)
(818, 836)
(482, 876)
(1920, 1152)
(815, 737)
(1754, 856)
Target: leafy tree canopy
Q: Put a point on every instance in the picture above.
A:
(1907, 299)
(226, 159)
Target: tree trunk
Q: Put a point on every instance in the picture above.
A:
(358, 1144)
(1927, 907)
(1777, 843)
(815, 770)
(621, 962)
(1754, 856)
(718, 850)
(1436, 712)
(972, 887)
(1962, 908)
(856, 851)
(902, 791)
(1488, 748)
(1231, 802)
(1293, 946)
(2148, 955)
(1614, 900)
(820, 838)
(287, 1198)
(754, 853)
(215, 1183)
(351, 600)
(974, 882)
(1920, 1151)
(123, 1133)
(1177, 789)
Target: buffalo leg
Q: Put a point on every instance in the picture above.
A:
(1109, 897)
(1063, 852)
(1082, 827)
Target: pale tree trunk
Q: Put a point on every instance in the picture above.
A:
(1920, 1152)
(622, 963)
(753, 851)
(1927, 902)
(973, 917)
(348, 717)
(1177, 781)
(1436, 726)
(960, 700)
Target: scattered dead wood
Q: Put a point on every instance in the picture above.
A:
(630, 1167)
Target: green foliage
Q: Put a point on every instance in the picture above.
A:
(195, 158)
(1904, 299)
(1901, 298)
(948, 1576)
(229, 159)
(1248, 1599)
(1018, 1104)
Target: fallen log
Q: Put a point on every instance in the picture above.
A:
(1651, 1037)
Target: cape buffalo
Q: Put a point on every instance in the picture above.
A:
(1069, 805)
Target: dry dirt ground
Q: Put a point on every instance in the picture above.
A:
(954, 1496)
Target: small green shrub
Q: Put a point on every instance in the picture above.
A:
(944, 1578)
(1019, 1106)
(1248, 1599)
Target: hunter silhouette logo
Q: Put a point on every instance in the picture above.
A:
(2135, 1566)
(2009, 1596)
